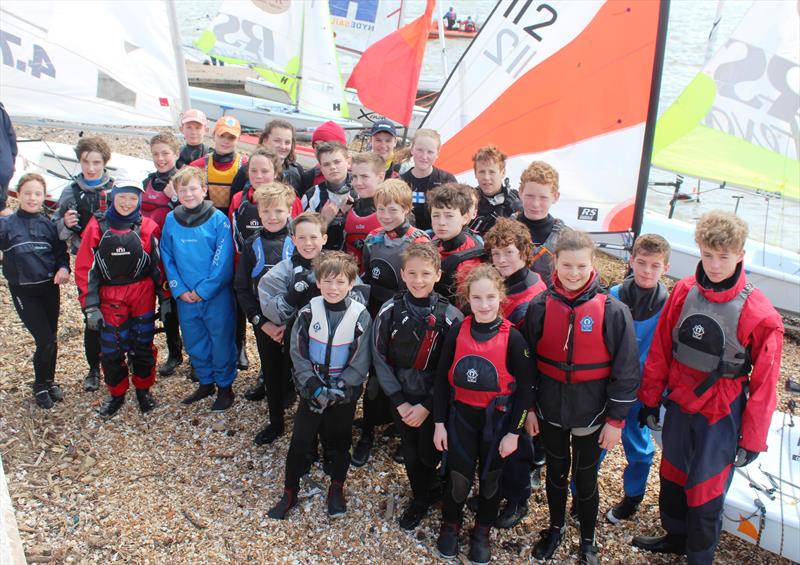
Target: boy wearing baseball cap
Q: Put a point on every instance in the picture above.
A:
(194, 127)
(383, 139)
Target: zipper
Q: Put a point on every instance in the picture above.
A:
(568, 345)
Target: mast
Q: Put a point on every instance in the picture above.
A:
(441, 38)
(180, 64)
(652, 115)
(298, 83)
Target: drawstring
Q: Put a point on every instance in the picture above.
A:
(569, 333)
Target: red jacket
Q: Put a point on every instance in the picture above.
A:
(760, 331)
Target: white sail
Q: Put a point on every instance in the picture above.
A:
(320, 89)
(88, 62)
(360, 23)
(567, 82)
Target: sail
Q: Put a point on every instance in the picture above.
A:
(565, 82)
(89, 62)
(738, 120)
(321, 91)
(358, 24)
(263, 35)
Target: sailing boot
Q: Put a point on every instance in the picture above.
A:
(413, 515)
(224, 399)
(92, 381)
(625, 509)
(243, 363)
(447, 544)
(201, 392)
(111, 406)
(480, 552)
(56, 394)
(362, 450)
(269, 434)
(259, 390)
(588, 553)
(172, 363)
(337, 505)
(286, 503)
(668, 543)
(511, 514)
(42, 396)
(146, 401)
(548, 543)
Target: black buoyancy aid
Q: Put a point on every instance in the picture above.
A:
(470, 249)
(479, 373)
(268, 251)
(705, 337)
(415, 343)
(573, 349)
(490, 208)
(120, 255)
(385, 261)
(247, 221)
(87, 204)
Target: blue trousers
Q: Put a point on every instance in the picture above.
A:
(209, 336)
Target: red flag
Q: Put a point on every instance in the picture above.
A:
(387, 75)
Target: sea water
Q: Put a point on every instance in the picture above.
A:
(772, 219)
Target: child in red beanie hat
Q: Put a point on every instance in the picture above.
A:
(326, 132)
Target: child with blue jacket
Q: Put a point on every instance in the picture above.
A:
(197, 252)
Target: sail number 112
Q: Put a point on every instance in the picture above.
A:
(507, 41)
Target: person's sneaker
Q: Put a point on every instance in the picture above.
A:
(548, 543)
(536, 479)
(337, 505)
(111, 406)
(268, 434)
(511, 514)
(447, 544)
(56, 394)
(398, 455)
(413, 515)
(286, 503)
(243, 363)
(43, 399)
(480, 552)
(588, 554)
(573, 513)
(667, 543)
(201, 392)
(172, 363)
(259, 390)
(624, 510)
(92, 381)
(146, 401)
(361, 451)
(224, 399)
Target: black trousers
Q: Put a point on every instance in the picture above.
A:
(172, 331)
(38, 308)
(420, 457)
(584, 459)
(275, 367)
(468, 448)
(334, 427)
(517, 471)
(376, 407)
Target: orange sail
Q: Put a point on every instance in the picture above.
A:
(387, 74)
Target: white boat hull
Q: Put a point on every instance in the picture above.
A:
(254, 113)
(359, 112)
(774, 270)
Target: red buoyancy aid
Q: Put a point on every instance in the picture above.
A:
(479, 373)
(155, 204)
(356, 230)
(514, 300)
(573, 348)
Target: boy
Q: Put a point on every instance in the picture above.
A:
(406, 340)
(645, 295)
(509, 246)
(383, 250)
(538, 191)
(194, 127)
(331, 356)
(225, 167)
(197, 253)
(382, 141)
(77, 205)
(260, 252)
(117, 272)
(362, 219)
(333, 197)
(717, 349)
(496, 199)
(460, 250)
(328, 132)
(158, 200)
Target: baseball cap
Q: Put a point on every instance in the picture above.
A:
(228, 124)
(383, 125)
(193, 115)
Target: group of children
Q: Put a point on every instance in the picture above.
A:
(470, 318)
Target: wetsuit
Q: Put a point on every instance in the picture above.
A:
(459, 256)
(419, 193)
(544, 234)
(501, 205)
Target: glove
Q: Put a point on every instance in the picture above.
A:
(299, 289)
(320, 400)
(744, 457)
(649, 416)
(164, 309)
(94, 318)
(334, 395)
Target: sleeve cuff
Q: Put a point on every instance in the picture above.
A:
(397, 399)
(616, 423)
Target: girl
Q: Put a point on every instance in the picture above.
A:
(423, 176)
(279, 135)
(586, 378)
(35, 261)
(118, 275)
(483, 381)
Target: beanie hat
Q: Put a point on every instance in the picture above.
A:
(329, 131)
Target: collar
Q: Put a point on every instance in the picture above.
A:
(299, 260)
(27, 215)
(283, 232)
(644, 303)
(340, 306)
(455, 243)
(399, 231)
(487, 327)
(584, 293)
(723, 291)
(223, 159)
(190, 217)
